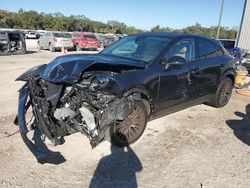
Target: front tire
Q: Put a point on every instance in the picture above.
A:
(223, 93)
(126, 132)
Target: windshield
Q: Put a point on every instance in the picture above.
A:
(62, 35)
(90, 36)
(143, 48)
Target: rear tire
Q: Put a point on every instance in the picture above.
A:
(126, 132)
(223, 93)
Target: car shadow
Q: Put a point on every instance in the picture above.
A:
(31, 51)
(43, 154)
(117, 169)
(18, 53)
(241, 127)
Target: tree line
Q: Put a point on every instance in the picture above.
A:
(225, 32)
(33, 20)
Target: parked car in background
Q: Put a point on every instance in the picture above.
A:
(116, 36)
(100, 37)
(229, 44)
(54, 41)
(84, 40)
(12, 42)
(30, 35)
(39, 34)
(112, 95)
(109, 39)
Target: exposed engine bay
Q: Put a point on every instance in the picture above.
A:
(90, 94)
(85, 107)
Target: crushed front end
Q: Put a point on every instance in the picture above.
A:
(89, 106)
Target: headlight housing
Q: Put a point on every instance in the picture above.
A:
(100, 81)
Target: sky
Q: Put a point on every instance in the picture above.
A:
(143, 14)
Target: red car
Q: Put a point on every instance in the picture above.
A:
(83, 40)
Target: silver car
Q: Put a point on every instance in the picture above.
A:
(54, 41)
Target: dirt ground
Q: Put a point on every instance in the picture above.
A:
(197, 147)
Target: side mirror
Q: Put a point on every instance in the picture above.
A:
(173, 61)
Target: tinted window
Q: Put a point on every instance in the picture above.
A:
(90, 36)
(227, 43)
(3, 36)
(62, 35)
(66, 35)
(207, 49)
(76, 35)
(183, 49)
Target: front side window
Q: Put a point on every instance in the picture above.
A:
(143, 48)
(183, 50)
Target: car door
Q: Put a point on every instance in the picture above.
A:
(174, 77)
(206, 69)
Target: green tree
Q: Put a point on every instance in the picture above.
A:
(58, 22)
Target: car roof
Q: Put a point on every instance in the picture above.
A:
(7, 31)
(233, 40)
(171, 35)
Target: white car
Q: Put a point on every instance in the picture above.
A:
(30, 35)
(54, 41)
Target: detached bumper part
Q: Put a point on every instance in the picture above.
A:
(38, 148)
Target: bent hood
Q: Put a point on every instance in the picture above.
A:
(68, 68)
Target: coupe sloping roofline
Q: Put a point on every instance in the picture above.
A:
(164, 34)
(171, 35)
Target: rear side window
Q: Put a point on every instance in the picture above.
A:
(228, 44)
(208, 49)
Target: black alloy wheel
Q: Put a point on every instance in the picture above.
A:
(128, 131)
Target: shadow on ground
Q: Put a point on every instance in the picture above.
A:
(117, 169)
(18, 53)
(241, 127)
(42, 152)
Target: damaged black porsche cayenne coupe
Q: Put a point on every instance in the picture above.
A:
(112, 95)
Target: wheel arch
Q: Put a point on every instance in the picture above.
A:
(227, 74)
(139, 92)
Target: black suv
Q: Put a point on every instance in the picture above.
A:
(12, 42)
(112, 95)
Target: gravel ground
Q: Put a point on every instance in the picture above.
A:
(197, 147)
